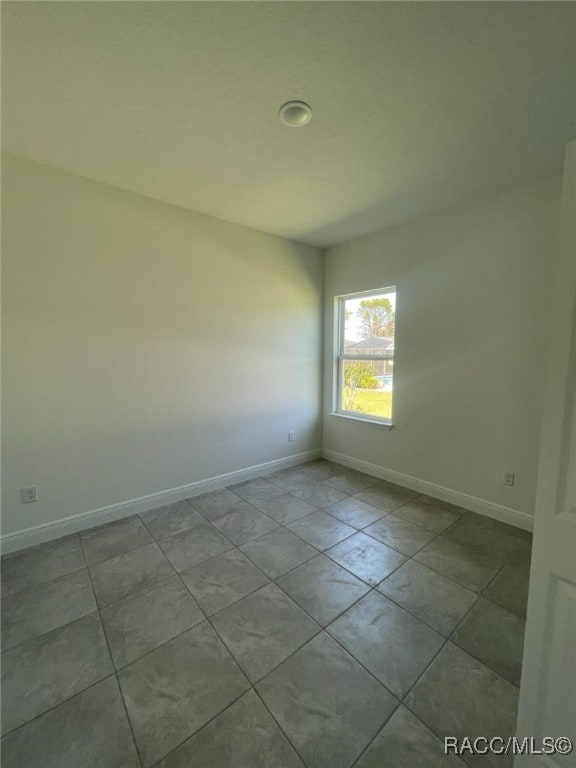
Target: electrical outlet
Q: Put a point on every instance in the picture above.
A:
(290, 436)
(509, 478)
(30, 494)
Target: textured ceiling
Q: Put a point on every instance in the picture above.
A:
(417, 106)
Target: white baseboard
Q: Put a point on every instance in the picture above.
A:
(472, 503)
(38, 534)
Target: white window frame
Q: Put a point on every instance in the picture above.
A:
(340, 357)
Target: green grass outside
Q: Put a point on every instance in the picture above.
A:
(373, 402)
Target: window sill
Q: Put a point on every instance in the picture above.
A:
(359, 419)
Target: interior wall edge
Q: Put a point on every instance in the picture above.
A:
(39, 534)
(472, 503)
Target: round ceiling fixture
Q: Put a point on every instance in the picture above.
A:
(295, 114)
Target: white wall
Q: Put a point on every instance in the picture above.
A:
(472, 306)
(144, 346)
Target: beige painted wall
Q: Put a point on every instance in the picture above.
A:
(144, 346)
(472, 306)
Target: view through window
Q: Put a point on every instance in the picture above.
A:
(366, 354)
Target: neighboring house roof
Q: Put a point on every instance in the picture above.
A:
(374, 345)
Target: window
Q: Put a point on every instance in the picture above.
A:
(365, 355)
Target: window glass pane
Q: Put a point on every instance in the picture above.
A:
(369, 325)
(367, 387)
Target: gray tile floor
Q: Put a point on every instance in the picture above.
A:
(316, 617)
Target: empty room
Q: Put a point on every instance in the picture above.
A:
(288, 384)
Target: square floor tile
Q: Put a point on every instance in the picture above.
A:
(405, 742)
(244, 525)
(321, 530)
(171, 519)
(386, 496)
(291, 480)
(257, 490)
(388, 641)
(351, 481)
(138, 624)
(354, 512)
(278, 552)
(400, 534)
(326, 703)
(319, 494)
(323, 588)
(431, 597)
(492, 538)
(194, 546)
(495, 637)
(126, 574)
(36, 611)
(40, 674)
(215, 504)
(37, 565)
(286, 508)
(458, 696)
(510, 587)
(90, 729)
(261, 630)
(367, 558)
(176, 689)
(320, 469)
(223, 580)
(461, 564)
(430, 513)
(114, 539)
(244, 735)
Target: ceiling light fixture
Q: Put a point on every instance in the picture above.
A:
(295, 114)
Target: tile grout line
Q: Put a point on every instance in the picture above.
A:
(233, 547)
(407, 610)
(493, 579)
(317, 552)
(454, 642)
(468, 549)
(128, 720)
(491, 599)
(137, 592)
(55, 706)
(321, 629)
(295, 468)
(119, 554)
(254, 684)
(361, 663)
(371, 588)
(179, 634)
(202, 727)
(78, 534)
(207, 619)
(373, 739)
(448, 640)
(52, 629)
(113, 673)
(282, 731)
(236, 548)
(12, 555)
(445, 638)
